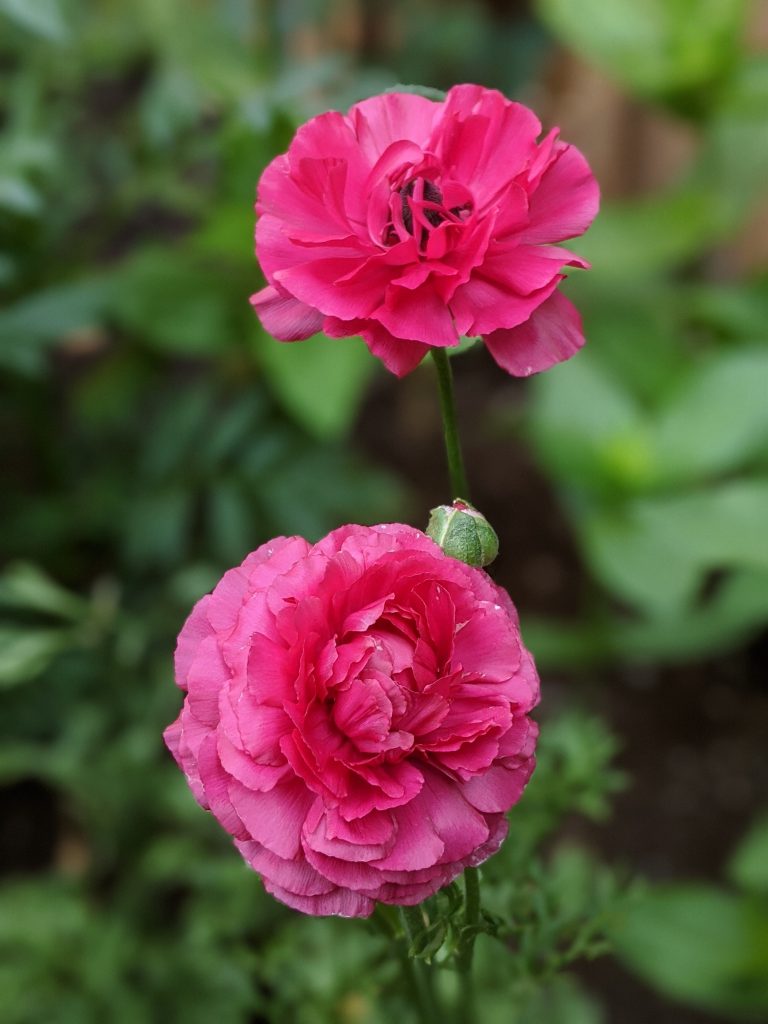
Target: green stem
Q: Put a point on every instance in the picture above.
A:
(417, 972)
(450, 429)
(467, 947)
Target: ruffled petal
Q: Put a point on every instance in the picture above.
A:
(566, 200)
(399, 356)
(418, 315)
(284, 317)
(552, 334)
(484, 139)
(392, 117)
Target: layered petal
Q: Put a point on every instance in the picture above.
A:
(411, 222)
(285, 317)
(355, 716)
(552, 334)
(565, 201)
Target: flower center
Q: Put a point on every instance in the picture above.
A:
(432, 199)
(419, 206)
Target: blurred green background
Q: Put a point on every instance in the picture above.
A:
(151, 436)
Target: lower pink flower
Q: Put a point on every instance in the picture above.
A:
(356, 716)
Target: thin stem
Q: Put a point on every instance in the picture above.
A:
(416, 971)
(467, 948)
(450, 428)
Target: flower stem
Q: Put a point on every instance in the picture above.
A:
(467, 947)
(450, 429)
(417, 972)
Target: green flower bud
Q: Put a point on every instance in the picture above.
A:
(463, 533)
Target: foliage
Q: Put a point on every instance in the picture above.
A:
(656, 435)
(704, 945)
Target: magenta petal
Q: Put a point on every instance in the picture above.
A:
(296, 876)
(526, 269)
(552, 334)
(399, 356)
(274, 819)
(498, 788)
(484, 305)
(172, 735)
(362, 840)
(215, 782)
(418, 844)
(208, 673)
(488, 646)
(194, 631)
(418, 314)
(393, 117)
(566, 200)
(285, 317)
(259, 777)
(458, 824)
(485, 139)
(337, 903)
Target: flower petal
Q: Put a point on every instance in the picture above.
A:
(392, 117)
(399, 356)
(484, 139)
(566, 200)
(284, 317)
(552, 334)
(419, 315)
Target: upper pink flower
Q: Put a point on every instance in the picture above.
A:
(356, 716)
(413, 222)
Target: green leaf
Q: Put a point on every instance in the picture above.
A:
(738, 609)
(40, 320)
(589, 429)
(719, 419)
(231, 522)
(25, 653)
(174, 304)
(657, 48)
(648, 236)
(749, 865)
(717, 527)
(427, 91)
(41, 17)
(26, 587)
(156, 527)
(320, 382)
(316, 489)
(701, 946)
(636, 563)
(18, 196)
(656, 551)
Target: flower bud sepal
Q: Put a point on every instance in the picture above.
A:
(463, 533)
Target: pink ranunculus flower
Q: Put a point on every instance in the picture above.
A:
(356, 716)
(413, 222)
